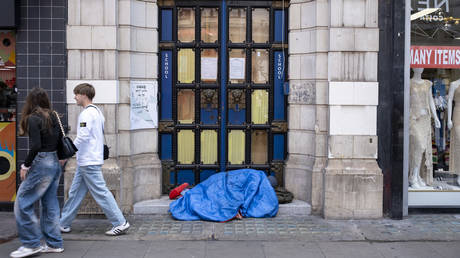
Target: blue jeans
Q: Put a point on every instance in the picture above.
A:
(41, 183)
(90, 178)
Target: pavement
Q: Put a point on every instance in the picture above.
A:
(418, 235)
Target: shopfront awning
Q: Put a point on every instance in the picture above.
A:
(435, 57)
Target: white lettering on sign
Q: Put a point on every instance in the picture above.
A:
(279, 67)
(435, 56)
(424, 4)
(166, 65)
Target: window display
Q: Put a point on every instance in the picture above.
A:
(434, 113)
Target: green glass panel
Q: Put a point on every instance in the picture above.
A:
(236, 146)
(208, 147)
(259, 106)
(186, 66)
(185, 147)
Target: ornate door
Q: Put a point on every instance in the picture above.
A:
(222, 88)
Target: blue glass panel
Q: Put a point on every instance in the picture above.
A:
(236, 116)
(166, 85)
(185, 176)
(205, 174)
(166, 146)
(279, 24)
(278, 146)
(279, 90)
(209, 116)
(172, 180)
(166, 25)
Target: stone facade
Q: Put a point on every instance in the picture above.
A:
(332, 142)
(333, 47)
(110, 43)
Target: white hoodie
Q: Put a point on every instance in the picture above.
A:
(90, 137)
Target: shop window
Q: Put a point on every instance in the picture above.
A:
(434, 114)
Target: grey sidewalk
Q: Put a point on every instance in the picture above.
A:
(243, 249)
(432, 227)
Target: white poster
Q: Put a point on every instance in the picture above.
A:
(236, 68)
(144, 101)
(209, 68)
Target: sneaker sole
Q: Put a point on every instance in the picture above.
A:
(28, 254)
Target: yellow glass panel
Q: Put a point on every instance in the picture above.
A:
(259, 106)
(186, 65)
(185, 147)
(260, 66)
(236, 147)
(259, 147)
(237, 25)
(209, 147)
(209, 25)
(185, 24)
(209, 64)
(260, 25)
(186, 106)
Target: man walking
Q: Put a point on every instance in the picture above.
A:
(88, 176)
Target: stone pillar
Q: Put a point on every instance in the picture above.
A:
(110, 43)
(308, 46)
(353, 181)
(138, 61)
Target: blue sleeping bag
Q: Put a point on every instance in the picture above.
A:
(222, 195)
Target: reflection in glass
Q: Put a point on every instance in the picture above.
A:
(236, 107)
(236, 140)
(237, 25)
(209, 25)
(185, 146)
(185, 24)
(208, 147)
(237, 65)
(209, 64)
(259, 147)
(259, 106)
(186, 66)
(208, 104)
(260, 25)
(260, 66)
(186, 106)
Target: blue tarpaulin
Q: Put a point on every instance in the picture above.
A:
(222, 195)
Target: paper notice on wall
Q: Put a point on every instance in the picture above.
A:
(237, 68)
(209, 68)
(144, 104)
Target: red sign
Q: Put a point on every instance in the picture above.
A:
(435, 57)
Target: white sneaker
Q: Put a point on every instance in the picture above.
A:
(118, 230)
(48, 249)
(25, 251)
(65, 229)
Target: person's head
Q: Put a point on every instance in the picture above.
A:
(84, 94)
(37, 102)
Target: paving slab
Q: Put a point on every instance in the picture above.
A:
(7, 226)
(292, 249)
(409, 250)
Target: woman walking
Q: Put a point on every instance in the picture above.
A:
(40, 177)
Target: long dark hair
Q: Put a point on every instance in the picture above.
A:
(37, 102)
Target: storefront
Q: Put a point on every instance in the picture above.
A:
(8, 96)
(434, 113)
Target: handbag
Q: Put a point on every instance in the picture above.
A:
(66, 149)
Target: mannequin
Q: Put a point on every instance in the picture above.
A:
(422, 108)
(453, 121)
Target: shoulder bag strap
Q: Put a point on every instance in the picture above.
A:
(60, 124)
(103, 133)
